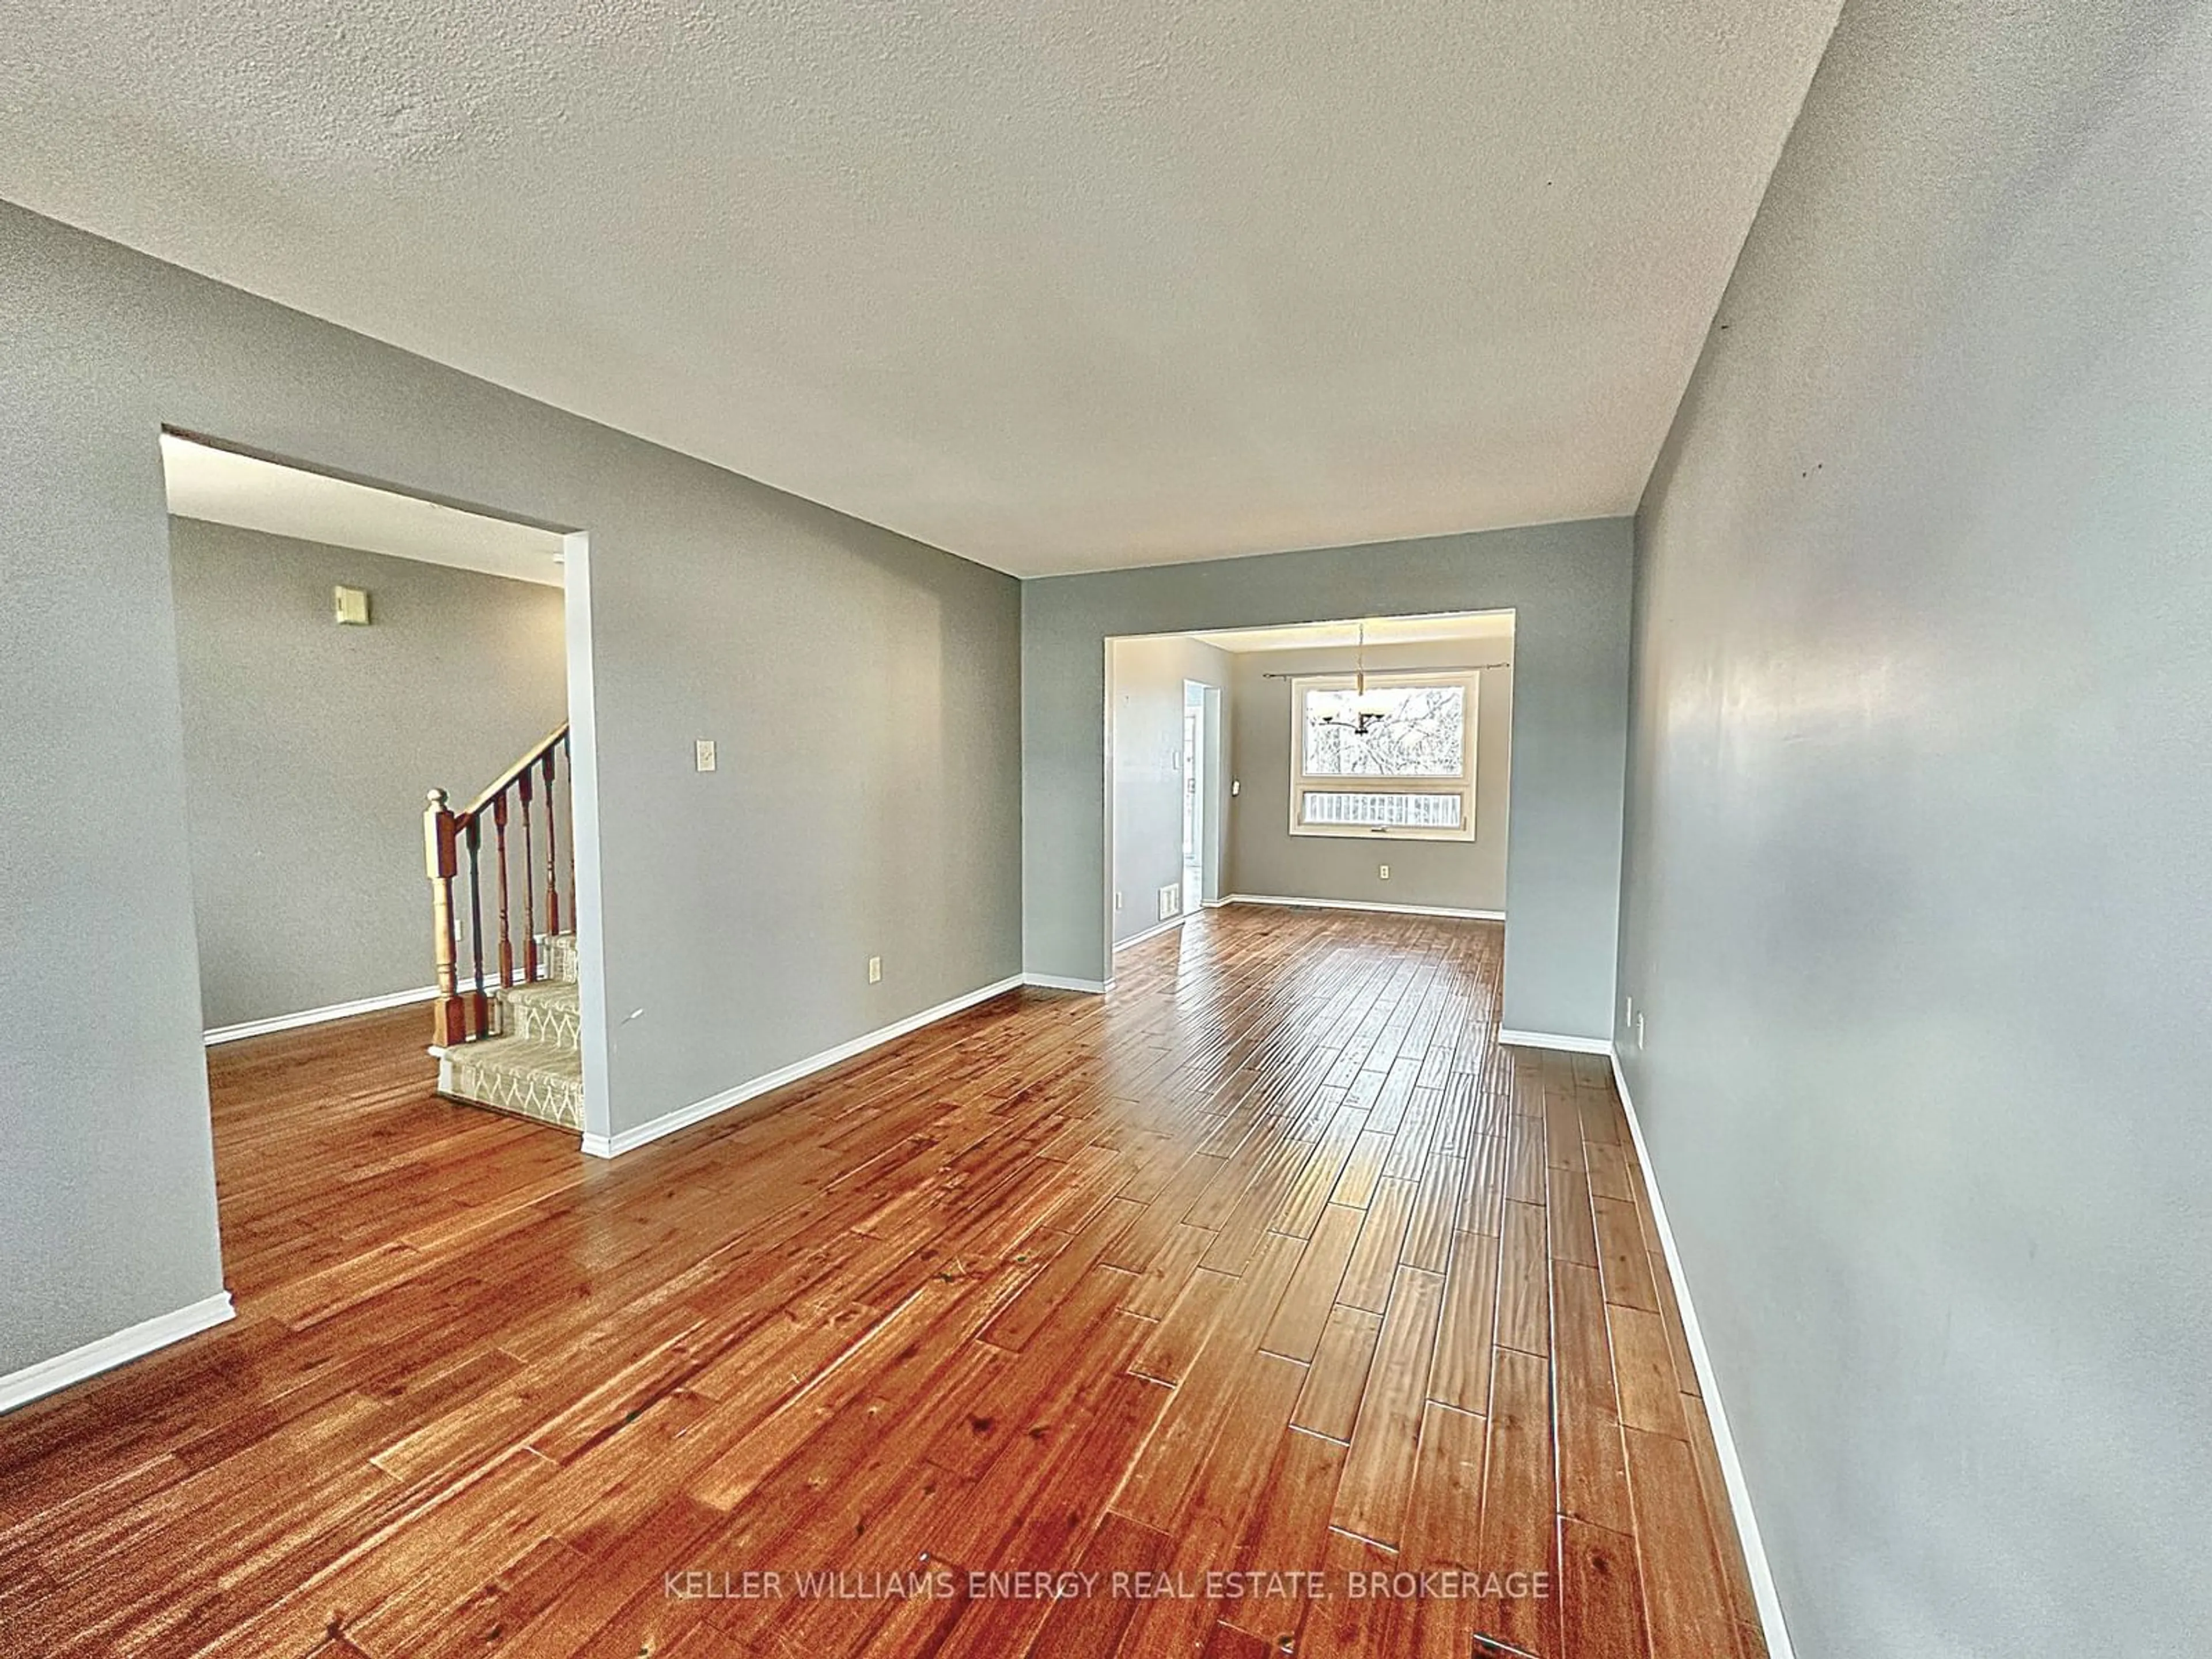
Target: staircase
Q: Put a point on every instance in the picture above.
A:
(534, 1068)
(505, 1036)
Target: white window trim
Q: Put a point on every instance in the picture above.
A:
(1469, 680)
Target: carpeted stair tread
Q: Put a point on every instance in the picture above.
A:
(527, 1075)
(546, 1011)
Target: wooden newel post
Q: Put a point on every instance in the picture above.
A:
(447, 1014)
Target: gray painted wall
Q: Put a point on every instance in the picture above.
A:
(863, 688)
(309, 747)
(1148, 783)
(1265, 857)
(1569, 585)
(1917, 886)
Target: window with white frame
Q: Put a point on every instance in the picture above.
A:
(1396, 760)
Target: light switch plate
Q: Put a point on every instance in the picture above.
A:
(350, 606)
(704, 749)
(875, 970)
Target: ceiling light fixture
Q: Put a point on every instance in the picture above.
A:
(1367, 713)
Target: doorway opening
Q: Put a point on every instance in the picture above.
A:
(1193, 795)
(1361, 763)
(1206, 815)
(388, 804)
(1164, 701)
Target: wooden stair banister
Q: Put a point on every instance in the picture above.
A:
(452, 847)
(557, 738)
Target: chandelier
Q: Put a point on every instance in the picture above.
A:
(1367, 711)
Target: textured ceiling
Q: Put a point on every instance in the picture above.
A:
(224, 487)
(1053, 286)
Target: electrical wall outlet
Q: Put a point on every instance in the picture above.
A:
(703, 752)
(1639, 1030)
(1385, 870)
(1236, 786)
(875, 970)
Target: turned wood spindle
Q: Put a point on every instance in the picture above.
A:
(569, 760)
(529, 908)
(552, 853)
(506, 938)
(478, 1002)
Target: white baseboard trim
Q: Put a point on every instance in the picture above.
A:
(1573, 1045)
(1061, 982)
(1168, 926)
(1362, 904)
(1747, 1524)
(35, 1382)
(668, 1123)
(254, 1028)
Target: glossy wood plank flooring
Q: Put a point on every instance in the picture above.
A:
(1271, 1262)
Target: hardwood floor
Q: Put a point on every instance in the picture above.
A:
(1271, 1262)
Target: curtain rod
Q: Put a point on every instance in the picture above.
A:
(1381, 673)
